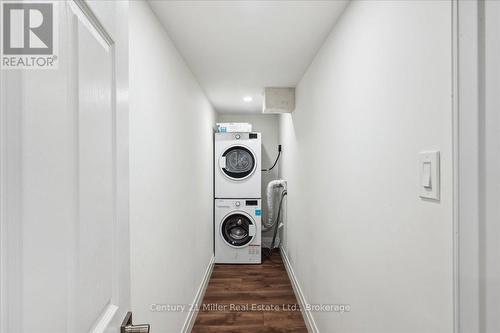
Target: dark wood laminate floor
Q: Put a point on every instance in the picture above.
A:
(235, 291)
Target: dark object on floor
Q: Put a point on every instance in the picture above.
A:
(234, 289)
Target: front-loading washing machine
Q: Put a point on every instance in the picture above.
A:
(238, 231)
(237, 161)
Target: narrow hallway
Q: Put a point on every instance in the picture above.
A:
(249, 166)
(250, 299)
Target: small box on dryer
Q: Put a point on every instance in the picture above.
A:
(233, 127)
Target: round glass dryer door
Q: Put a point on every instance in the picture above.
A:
(237, 230)
(238, 162)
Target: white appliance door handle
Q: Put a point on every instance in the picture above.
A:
(223, 162)
(251, 230)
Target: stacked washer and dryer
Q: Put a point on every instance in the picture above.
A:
(238, 211)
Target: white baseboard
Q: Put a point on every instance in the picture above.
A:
(198, 298)
(307, 314)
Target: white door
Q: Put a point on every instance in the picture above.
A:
(64, 180)
(478, 287)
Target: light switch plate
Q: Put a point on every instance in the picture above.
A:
(429, 180)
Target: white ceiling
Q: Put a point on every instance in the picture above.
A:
(236, 48)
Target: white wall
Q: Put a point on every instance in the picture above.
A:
(377, 93)
(268, 125)
(171, 126)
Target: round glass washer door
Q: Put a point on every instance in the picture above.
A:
(238, 162)
(237, 229)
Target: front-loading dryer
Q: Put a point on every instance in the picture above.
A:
(238, 231)
(237, 161)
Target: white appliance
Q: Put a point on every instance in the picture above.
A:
(238, 231)
(237, 161)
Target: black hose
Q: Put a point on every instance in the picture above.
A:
(276, 161)
(276, 227)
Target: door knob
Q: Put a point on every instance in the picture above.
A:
(142, 328)
(127, 326)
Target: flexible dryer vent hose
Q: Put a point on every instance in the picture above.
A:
(274, 185)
